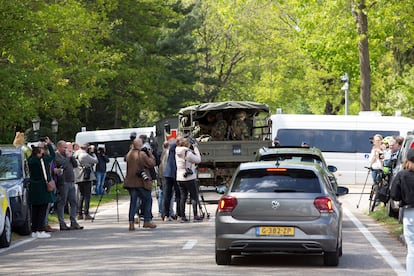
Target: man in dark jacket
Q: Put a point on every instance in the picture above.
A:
(100, 169)
(66, 186)
(170, 175)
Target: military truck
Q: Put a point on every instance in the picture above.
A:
(224, 139)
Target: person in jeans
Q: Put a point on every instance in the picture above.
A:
(187, 156)
(100, 169)
(402, 189)
(65, 185)
(86, 160)
(139, 160)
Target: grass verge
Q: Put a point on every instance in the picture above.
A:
(381, 215)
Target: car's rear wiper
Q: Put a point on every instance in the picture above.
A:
(287, 191)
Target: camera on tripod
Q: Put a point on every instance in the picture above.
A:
(188, 172)
(143, 174)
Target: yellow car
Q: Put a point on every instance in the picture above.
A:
(5, 219)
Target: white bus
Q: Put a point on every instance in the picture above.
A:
(344, 140)
(117, 143)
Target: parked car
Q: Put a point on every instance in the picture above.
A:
(298, 154)
(279, 207)
(14, 179)
(393, 206)
(5, 220)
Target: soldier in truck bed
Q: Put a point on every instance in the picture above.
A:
(240, 131)
(219, 129)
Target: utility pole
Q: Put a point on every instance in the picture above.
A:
(345, 87)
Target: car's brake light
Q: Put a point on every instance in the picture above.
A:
(412, 145)
(276, 170)
(227, 204)
(323, 204)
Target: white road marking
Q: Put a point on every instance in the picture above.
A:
(17, 244)
(386, 255)
(189, 244)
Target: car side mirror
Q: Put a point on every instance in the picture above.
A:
(342, 191)
(332, 168)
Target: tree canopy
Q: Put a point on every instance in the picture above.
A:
(104, 64)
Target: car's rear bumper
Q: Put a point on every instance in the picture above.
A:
(269, 246)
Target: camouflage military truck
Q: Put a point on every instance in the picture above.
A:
(228, 133)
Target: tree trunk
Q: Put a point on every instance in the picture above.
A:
(365, 70)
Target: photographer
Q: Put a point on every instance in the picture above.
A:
(86, 159)
(100, 169)
(376, 156)
(187, 156)
(139, 160)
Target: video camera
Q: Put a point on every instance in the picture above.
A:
(188, 172)
(191, 139)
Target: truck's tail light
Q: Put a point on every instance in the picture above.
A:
(227, 203)
(323, 204)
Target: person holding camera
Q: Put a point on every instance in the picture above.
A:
(65, 185)
(376, 156)
(100, 169)
(139, 161)
(86, 160)
(187, 155)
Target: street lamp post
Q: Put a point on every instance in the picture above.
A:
(345, 87)
(36, 128)
(55, 127)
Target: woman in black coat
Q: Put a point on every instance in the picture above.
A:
(39, 197)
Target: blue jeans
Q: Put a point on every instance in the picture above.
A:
(146, 201)
(100, 180)
(408, 224)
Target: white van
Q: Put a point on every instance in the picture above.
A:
(117, 143)
(344, 140)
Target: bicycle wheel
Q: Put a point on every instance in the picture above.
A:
(373, 197)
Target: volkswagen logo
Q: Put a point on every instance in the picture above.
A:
(275, 204)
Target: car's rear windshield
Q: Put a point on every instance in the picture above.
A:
(277, 181)
(291, 157)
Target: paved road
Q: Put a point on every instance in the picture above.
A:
(106, 247)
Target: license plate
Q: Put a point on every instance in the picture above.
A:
(275, 231)
(204, 175)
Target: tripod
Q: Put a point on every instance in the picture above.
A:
(366, 179)
(203, 214)
(115, 168)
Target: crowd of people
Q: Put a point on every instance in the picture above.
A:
(384, 154)
(176, 179)
(74, 168)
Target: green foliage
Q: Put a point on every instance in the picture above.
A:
(111, 63)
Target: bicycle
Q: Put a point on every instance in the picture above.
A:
(380, 189)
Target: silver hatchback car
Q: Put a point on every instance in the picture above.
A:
(274, 207)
